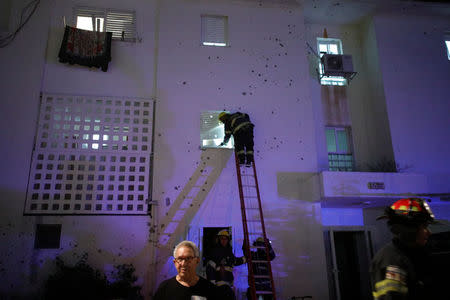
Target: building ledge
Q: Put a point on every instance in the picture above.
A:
(344, 189)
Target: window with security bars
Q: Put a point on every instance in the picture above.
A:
(340, 157)
(121, 23)
(212, 131)
(214, 30)
(91, 156)
(329, 46)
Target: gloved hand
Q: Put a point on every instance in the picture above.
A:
(221, 144)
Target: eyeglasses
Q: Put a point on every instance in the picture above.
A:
(184, 259)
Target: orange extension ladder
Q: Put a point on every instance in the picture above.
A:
(253, 225)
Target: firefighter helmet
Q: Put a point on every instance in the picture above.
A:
(259, 241)
(224, 232)
(222, 116)
(408, 211)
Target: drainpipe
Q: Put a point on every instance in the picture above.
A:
(154, 216)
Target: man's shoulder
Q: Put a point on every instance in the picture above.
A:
(165, 289)
(204, 282)
(389, 255)
(168, 282)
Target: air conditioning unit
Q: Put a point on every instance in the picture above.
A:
(337, 65)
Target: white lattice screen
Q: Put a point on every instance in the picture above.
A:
(92, 156)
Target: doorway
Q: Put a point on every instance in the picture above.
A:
(209, 240)
(348, 254)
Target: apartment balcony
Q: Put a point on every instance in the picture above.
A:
(367, 189)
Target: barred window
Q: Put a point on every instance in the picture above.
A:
(340, 157)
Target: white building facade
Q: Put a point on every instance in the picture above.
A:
(395, 111)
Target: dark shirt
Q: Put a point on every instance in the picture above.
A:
(171, 289)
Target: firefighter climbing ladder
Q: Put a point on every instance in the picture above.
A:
(253, 224)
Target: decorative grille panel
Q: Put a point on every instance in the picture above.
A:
(92, 156)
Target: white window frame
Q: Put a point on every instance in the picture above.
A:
(447, 44)
(340, 155)
(214, 30)
(212, 131)
(122, 23)
(332, 46)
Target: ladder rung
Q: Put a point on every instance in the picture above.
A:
(264, 292)
(255, 233)
(258, 247)
(248, 185)
(261, 276)
(253, 220)
(260, 261)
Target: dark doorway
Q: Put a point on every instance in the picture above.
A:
(439, 246)
(210, 240)
(348, 260)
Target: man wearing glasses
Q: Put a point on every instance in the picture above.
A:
(187, 285)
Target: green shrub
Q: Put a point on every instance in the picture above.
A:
(81, 281)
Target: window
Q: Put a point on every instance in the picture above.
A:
(340, 156)
(69, 178)
(212, 131)
(447, 43)
(329, 46)
(121, 23)
(214, 30)
(47, 236)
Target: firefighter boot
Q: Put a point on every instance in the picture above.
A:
(249, 157)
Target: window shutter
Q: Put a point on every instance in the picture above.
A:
(122, 25)
(88, 12)
(214, 29)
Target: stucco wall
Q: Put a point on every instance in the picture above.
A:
(263, 72)
(415, 72)
(29, 66)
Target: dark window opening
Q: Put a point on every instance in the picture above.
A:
(47, 236)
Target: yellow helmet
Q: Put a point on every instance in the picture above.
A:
(222, 115)
(224, 232)
(259, 241)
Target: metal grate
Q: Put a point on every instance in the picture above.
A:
(91, 156)
(340, 162)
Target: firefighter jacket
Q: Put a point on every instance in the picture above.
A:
(219, 268)
(236, 122)
(398, 272)
(261, 268)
